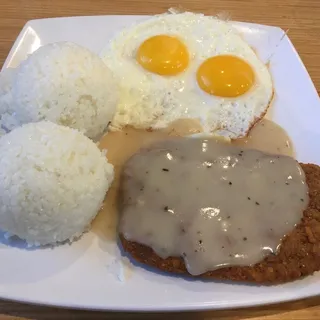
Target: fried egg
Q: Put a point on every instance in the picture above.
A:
(186, 65)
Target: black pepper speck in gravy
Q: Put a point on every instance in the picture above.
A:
(212, 203)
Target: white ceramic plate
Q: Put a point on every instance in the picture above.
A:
(88, 274)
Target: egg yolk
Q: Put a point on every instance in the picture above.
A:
(164, 55)
(225, 76)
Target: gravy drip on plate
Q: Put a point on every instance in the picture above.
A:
(121, 145)
(267, 136)
(212, 203)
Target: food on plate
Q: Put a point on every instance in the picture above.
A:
(272, 137)
(212, 209)
(205, 207)
(66, 84)
(188, 66)
(53, 180)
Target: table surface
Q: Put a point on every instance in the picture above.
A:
(302, 20)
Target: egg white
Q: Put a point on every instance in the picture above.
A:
(152, 100)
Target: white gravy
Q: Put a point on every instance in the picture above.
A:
(121, 145)
(212, 203)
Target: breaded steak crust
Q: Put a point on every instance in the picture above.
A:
(298, 256)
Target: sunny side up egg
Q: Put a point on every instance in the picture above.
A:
(187, 65)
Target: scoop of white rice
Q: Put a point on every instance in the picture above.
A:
(68, 85)
(53, 181)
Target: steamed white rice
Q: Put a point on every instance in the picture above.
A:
(53, 181)
(66, 84)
